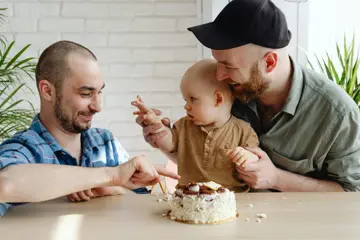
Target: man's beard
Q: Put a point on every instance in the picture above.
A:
(68, 124)
(253, 88)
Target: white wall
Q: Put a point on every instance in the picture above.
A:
(291, 13)
(328, 21)
(143, 47)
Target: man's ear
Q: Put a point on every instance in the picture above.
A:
(271, 60)
(46, 90)
(219, 98)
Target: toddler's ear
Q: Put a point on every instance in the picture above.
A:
(219, 98)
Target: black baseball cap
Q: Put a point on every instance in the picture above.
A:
(242, 22)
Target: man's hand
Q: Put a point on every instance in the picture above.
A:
(94, 193)
(241, 156)
(139, 172)
(261, 174)
(152, 130)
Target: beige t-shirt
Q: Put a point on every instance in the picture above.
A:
(202, 154)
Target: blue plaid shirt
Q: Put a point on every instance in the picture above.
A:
(36, 145)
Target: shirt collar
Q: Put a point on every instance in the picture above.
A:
(87, 140)
(40, 129)
(295, 91)
(202, 128)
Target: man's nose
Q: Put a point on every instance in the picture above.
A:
(96, 104)
(221, 73)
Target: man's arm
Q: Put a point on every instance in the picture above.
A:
(291, 182)
(342, 162)
(40, 182)
(264, 175)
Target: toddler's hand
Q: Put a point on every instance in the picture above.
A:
(240, 156)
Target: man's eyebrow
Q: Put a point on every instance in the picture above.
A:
(88, 88)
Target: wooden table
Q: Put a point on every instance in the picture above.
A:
(289, 216)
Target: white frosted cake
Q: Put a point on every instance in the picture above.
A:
(202, 203)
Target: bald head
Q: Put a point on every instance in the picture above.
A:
(203, 75)
(53, 64)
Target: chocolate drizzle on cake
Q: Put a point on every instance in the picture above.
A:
(203, 190)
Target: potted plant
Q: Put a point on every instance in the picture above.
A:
(346, 75)
(15, 71)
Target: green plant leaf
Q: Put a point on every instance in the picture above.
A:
(339, 55)
(4, 56)
(333, 70)
(17, 56)
(347, 69)
(13, 73)
(346, 73)
(310, 64)
(22, 64)
(319, 63)
(328, 71)
(14, 104)
(10, 96)
(345, 48)
(351, 63)
(353, 79)
(3, 45)
(356, 94)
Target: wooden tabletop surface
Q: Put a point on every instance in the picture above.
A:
(289, 216)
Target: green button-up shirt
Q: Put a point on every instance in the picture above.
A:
(317, 132)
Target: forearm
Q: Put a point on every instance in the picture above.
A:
(167, 146)
(117, 190)
(166, 143)
(40, 182)
(291, 182)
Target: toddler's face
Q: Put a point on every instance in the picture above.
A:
(200, 102)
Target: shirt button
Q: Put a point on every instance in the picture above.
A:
(207, 141)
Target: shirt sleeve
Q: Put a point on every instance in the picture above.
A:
(120, 153)
(12, 153)
(175, 134)
(342, 162)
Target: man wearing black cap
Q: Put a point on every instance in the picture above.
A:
(308, 127)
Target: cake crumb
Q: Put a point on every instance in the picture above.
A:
(164, 214)
(261, 215)
(159, 200)
(251, 205)
(258, 220)
(167, 197)
(247, 219)
(284, 198)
